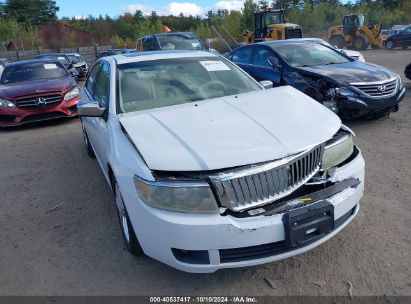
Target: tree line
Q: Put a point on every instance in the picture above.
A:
(19, 19)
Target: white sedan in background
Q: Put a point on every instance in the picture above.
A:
(209, 168)
(350, 53)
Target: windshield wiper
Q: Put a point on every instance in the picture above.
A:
(332, 62)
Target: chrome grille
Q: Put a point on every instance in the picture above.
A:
(263, 184)
(378, 89)
(38, 101)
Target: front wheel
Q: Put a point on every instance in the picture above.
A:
(361, 43)
(89, 148)
(337, 41)
(127, 231)
(390, 44)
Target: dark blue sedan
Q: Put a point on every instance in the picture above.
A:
(348, 87)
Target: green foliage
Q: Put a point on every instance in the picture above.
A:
(30, 13)
(12, 31)
(19, 18)
(247, 17)
(9, 28)
(263, 4)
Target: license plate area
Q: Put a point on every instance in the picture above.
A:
(309, 223)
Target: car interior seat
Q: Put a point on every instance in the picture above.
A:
(134, 89)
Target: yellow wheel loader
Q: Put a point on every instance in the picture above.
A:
(354, 34)
(271, 25)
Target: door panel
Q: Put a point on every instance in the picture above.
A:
(96, 127)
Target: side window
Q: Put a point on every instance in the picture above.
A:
(139, 45)
(146, 44)
(102, 89)
(91, 79)
(154, 44)
(260, 57)
(242, 55)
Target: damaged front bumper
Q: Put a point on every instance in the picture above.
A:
(208, 242)
(360, 105)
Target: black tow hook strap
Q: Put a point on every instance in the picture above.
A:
(314, 197)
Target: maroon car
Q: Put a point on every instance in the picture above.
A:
(35, 90)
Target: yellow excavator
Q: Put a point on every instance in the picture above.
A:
(354, 34)
(270, 24)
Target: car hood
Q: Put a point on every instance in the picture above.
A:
(230, 131)
(349, 72)
(351, 53)
(16, 90)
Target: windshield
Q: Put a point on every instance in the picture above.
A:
(63, 59)
(273, 18)
(118, 51)
(31, 72)
(75, 58)
(309, 54)
(161, 83)
(179, 42)
(361, 19)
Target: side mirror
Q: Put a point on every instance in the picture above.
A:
(267, 84)
(90, 109)
(274, 63)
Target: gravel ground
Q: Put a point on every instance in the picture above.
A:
(59, 234)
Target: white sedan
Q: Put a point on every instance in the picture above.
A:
(211, 169)
(350, 53)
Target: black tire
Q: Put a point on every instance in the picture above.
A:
(390, 44)
(127, 230)
(404, 47)
(337, 41)
(360, 43)
(89, 148)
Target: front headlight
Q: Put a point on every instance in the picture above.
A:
(75, 92)
(6, 104)
(400, 82)
(337, 150)
(177, 196)
(345, 92)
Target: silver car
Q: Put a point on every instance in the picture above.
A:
(79, 63)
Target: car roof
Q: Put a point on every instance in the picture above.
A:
(290, 41)
(174, 33)
(73, 54)
(51, 54)
(23, 62)
(155, 55)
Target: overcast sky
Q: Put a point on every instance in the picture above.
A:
(78, 8)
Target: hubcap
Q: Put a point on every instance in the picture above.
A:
(122, 213)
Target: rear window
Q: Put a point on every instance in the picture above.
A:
(32, 71)
(75, 58)
(61, 58)
(179, 41)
